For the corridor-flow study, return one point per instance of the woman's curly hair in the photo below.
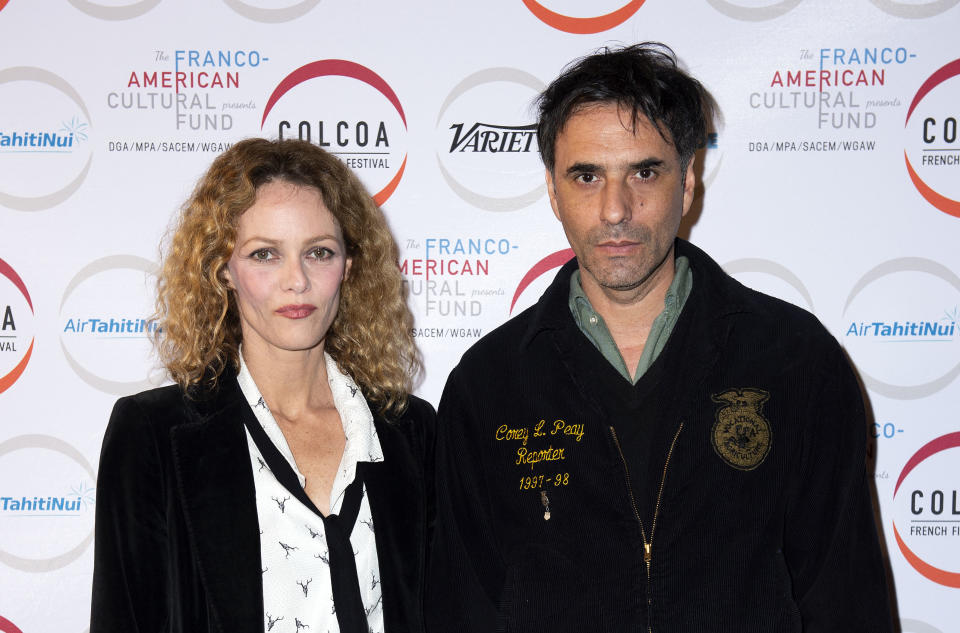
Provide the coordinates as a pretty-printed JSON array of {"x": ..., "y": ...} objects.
[{"x": 199, "y": 336}]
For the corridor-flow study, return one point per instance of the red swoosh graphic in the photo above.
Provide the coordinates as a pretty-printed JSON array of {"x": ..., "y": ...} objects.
[
  {"x": 940, "y": 201},
  {"x": 333, "y": 67},
  {"x": 942, "y": 443},
  {"x": 950, "y": 70},
  {"x": 554, "y": 260},
  {"x": 10, "y": 378},
  {"x": 583, "y": 26},
  {"x": 937, "y": 575},
  {"x": 7, "y": 271}
]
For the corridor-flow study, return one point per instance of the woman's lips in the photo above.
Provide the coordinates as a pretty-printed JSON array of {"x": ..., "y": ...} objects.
[{"x": 296, "y": 311}]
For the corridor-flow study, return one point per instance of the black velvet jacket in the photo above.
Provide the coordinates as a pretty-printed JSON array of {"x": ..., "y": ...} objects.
[
  {"x": 177, "y": 544},
  {"x": 724, "y": 492}
]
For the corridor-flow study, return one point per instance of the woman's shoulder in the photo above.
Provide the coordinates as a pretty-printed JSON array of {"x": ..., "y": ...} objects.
[{"x": 163, "y": 406}]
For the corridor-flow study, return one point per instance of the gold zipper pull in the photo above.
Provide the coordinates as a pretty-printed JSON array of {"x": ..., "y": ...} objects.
[
  {"x": 647, "y": 554},
  {"x": 546, "y": 505}
]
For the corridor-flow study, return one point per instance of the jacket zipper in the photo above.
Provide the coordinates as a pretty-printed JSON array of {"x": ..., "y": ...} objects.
[{"x": 647, "y": 544}]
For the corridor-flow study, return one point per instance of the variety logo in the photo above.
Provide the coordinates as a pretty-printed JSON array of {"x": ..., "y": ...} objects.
[
  {"x": 928, "y": 511},
  {"x": 114, "y": 13},
  {"x": 269, "y": 14},
  {"x": 105, "y": 335},
  {"x": 44, "y": 156},
  {"x": 839, "y": 95},
  {"x": 583, "y": 25},
  {"x": 16, "y": 326},
  {"x": 770, "y": 11},
  {"x": 935, "y": 145},
  {"x": 188, "y": 91},
  {"x": 46, "y": 503},
  {"x": 487, "y": 155},
  {"x": 350, "y": 111},
  {"x": 906, "y": 351},
  {"x": 914, "y": 10}
]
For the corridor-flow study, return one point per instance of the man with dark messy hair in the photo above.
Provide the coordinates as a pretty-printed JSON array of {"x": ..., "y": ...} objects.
[
  {"x": 652, "y": 446},
  {"x": 642, "y": 78}
]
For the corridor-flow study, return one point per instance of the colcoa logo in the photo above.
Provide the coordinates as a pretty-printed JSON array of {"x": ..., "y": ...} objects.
[
  {"x": 15, "y": 344},
  {"x": 936, "y": 127},
  {"x": 359, "y": 130},
  {"x": 934, "y": 511}
]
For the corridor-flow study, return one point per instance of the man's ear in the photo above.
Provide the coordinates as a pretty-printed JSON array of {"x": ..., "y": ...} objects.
[
  {"x": 689, "y": 185},
  {"x": 552, "y": 194}
]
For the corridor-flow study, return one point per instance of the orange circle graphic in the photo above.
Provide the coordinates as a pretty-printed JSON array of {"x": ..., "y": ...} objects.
[{"x": 583, "y": 26}]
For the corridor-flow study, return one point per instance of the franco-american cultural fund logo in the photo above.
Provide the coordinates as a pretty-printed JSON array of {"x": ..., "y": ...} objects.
[
  {"x": 487, "y": 149},
  {"x": 16, "y": 326},
  {"x": 45, "y": 154},
  {"x": 932, "y": 154},
  {"x": 927, "y": 510},
  {"x": 595, "y": 22},
  {"x": 348, "y": 110},
  {"x": 828, "y": 99},
  {"x": 189, "y": 91}
]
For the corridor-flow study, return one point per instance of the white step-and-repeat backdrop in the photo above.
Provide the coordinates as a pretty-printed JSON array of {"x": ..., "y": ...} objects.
[{"x": 833, "y": 182}]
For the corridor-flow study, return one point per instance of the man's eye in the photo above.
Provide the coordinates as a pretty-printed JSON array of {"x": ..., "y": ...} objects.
[
  {"x": 587, "y": 178},
  {"x": 646, "y": 173}
]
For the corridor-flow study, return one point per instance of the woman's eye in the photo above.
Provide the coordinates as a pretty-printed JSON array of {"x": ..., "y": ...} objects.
[
  {"x": 321, "y": 252},
  {"x": 261, "y": 255}
]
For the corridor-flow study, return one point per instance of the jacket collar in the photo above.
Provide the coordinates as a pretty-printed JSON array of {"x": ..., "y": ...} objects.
[
  {"x": 215, "y": 484},
  {"x": 714, "y": 287}
]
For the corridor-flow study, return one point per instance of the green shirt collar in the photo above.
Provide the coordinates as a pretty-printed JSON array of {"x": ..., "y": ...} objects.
[{"x": 593, "y": 327}]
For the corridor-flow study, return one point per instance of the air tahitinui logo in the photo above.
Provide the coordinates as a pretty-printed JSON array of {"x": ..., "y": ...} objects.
[
  {"x": 348, "y": 110},
  {"x": 44, "y": 153},
  {"x": 16, "y": 326},
  {"x": 105, "y": 328},
  {"x": 905, "y": 349},
  {"x": 487, "y": 149},
  {"x": 933, "y": 152},
  {"x": 927, "y": 510},
  {"x": 584, "y": 25},
  {"x": 47, "y": 498}
]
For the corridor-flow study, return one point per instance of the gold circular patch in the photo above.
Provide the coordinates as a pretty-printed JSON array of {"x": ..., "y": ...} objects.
[{"x": 741, "y": 435}]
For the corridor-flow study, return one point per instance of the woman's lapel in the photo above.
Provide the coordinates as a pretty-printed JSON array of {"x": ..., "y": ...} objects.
[{"x": 215, "y": 479}]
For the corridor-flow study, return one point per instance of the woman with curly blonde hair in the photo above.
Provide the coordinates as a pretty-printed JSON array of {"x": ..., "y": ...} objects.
[{"x": 283, "y": 479}]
